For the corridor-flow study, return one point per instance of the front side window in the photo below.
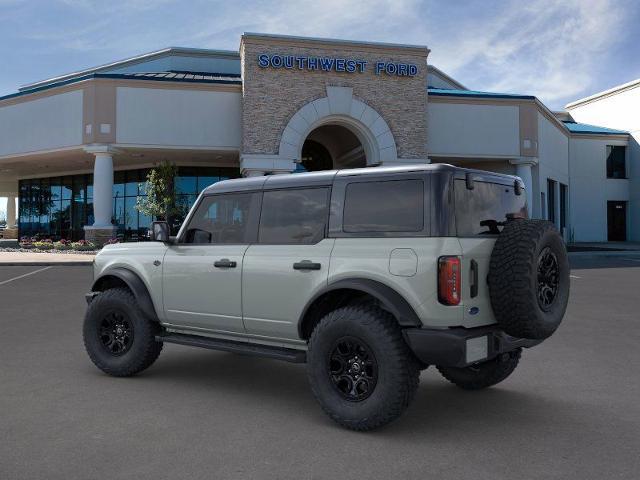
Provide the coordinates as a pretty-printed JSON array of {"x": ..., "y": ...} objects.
[
  {"x": 616, "y": 167},
  {"x": 221, "y": 219},
  {"x": 387, "y": 206},
  {"x": 296, "y": 216}
]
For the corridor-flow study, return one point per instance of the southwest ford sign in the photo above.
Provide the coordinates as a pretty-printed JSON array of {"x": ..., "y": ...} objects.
[{"x": 334, "y": 64}]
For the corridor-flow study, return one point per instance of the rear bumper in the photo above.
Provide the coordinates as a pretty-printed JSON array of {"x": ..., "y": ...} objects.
[{"x": 461, "y": 347}]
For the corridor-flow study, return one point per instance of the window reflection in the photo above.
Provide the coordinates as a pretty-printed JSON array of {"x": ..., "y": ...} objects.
[{"x": 59, "y": 207}]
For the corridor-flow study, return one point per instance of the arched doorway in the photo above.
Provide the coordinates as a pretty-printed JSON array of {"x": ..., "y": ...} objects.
[{"x": 332, "y": 146}]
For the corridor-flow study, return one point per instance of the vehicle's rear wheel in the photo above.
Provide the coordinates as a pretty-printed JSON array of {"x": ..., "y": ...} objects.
[
  {"x": 483, "y": 375},
  {"x": 529, "y": 279},
  {"x": 361, "y": 371},
  {"x": 118, "y": 337}
]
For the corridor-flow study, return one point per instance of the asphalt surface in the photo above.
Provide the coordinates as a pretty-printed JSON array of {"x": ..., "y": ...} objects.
[{"x": 570, "y": 411}]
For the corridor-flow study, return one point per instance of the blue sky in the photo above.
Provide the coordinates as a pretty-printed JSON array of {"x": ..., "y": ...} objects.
[{"x": 557, "y": 50}]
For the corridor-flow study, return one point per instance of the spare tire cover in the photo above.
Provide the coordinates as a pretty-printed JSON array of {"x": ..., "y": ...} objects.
[{"x": 529, "y": 279}]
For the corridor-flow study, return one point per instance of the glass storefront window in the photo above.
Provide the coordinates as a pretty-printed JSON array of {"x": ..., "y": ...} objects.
[
  {"x": 118, "y": 184},
  {"x": 59, "y": 207},
  {"x": 186, "y": 185},
  {"x": 67, "y": 192}
]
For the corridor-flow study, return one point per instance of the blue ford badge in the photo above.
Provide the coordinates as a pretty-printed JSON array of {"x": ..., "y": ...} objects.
[{"x": 474, "y": 310}]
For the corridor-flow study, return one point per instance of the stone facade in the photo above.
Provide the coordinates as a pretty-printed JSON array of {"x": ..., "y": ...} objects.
[{"x": 272, "y": 96}]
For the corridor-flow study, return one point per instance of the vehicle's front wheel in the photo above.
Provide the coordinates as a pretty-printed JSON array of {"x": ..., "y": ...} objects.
[
  {"x": 483, "y": 375},
  {"x": 361, "y": 371},
  {"x": 118, "y": 337}
]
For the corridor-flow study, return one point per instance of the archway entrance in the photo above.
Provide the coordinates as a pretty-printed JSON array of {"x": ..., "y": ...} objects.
[{"x": 330, "y": 147}]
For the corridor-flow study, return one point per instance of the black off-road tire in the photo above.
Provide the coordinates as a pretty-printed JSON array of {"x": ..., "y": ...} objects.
[
  {"x": 520, "y": 254},
  {"x": 137, "y": 354},
  {"x": 484, "y": 374},
  {"x": 398, "y": 371}
]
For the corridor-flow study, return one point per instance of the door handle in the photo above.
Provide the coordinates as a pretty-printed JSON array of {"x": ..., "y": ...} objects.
[
  {"x": 474, "y": 279},
  {"x": 306, "y": 265},
  {"x": 224, "y": 263}
]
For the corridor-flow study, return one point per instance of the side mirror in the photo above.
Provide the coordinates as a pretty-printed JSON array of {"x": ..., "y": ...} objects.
[{"x": 159, "y": 232}]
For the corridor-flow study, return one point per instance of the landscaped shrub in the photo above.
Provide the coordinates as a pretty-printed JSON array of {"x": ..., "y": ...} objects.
[
  {"x": 43, "y": 244},
  {"x": 26, "y": 242},
  {"x": 83, "y": 245},
  {"x": 62, "y": 245}
]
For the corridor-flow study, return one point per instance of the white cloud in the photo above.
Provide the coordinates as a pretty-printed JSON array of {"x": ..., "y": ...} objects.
[{"x": 548, "y": 48}]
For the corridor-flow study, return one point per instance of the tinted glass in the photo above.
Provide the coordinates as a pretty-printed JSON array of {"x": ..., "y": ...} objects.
[
  {"x": 484, "y": 210},
  {"x": 616, "y": 162},
  {"x": 551, "y": 200},
  {"x": 294, "y": 216},
  {"x": 223, "y": 219},
  {"x": 391, "y": 206}
]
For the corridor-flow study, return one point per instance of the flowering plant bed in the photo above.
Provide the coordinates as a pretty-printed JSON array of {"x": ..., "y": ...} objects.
[
  {"x": 41, "y": 245},
  {"x": 51, "y": 250}
]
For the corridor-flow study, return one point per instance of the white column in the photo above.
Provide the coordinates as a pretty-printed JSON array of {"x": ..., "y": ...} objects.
[
  {"x": 11, "y": 212},
  {"x": 103, "y": 189},
  {"x": 523, "y": 170}
]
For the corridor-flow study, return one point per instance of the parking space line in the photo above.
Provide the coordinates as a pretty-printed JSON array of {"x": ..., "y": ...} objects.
[
  {"x": 25, "y": 275},
  {"x": 574, "y": 276}
]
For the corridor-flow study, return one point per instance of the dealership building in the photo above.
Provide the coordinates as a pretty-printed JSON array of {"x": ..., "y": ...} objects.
[{"x": 75, "y": 149}]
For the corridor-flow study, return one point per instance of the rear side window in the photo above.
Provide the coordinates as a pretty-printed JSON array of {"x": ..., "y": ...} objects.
[
  {"x": 296, "y": 216},
  {"x": 484, "y": 210},
  {"x": 388, "y": 206}
]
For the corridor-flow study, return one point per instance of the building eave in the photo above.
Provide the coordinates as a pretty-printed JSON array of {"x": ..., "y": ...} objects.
[
  {"x": 606, "y": 93},
  {"x": 116, "y": 76},
  {"x": 132, "y": 61},
  {"x": 448, "y": 78}
]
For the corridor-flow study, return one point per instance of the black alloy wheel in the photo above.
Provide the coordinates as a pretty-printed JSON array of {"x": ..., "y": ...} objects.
[
  {"x": 548, "y": 278},
  {"x": 116, "y": 333},
  {"x": 353, "y": 369},
  {"x": 119, "y": 338}
]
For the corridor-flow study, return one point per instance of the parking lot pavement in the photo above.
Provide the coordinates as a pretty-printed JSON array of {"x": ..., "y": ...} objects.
[{"x": 570, "y": 411}]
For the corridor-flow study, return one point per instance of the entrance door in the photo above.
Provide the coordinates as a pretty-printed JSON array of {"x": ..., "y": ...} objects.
[
  {"x": 617, "y": 221},
  {"x": 202, "y": 273}
]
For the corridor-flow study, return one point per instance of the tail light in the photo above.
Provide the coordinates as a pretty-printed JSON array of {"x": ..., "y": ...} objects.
[{"x": 449, "y": 280}]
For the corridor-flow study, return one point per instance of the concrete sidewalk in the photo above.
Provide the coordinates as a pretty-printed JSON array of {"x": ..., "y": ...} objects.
[
  {"x": 37, "y": 259},
  {"x": 604, "y": 246}
]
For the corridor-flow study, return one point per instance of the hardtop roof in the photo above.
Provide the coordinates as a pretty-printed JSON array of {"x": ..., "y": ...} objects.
[{"x": 326, "y": 177}]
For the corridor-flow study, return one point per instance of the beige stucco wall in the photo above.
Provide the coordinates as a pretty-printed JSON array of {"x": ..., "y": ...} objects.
[
  {"x": 178, "y": 117},
  {"x": 460, "y": 129},
  {"x": 272, "y": 96},
  {"x": 49, "y": 122},
  {"x": 620, "y": 110}
]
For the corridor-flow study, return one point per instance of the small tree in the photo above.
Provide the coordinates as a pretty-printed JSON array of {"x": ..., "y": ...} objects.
[{"x": 160, "y": 201}]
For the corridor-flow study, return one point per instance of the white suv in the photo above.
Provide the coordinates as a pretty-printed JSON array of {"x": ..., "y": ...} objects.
[{"x": 367, "y": 275}]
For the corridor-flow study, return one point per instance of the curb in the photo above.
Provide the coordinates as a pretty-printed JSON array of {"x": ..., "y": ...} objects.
[{"x": 607, "y": 253}]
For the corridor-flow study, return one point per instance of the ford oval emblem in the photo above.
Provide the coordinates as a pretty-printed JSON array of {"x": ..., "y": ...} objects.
[{"x": 474, "y": 311}]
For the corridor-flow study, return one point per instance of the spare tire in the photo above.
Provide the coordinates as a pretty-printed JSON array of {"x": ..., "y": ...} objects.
[{"x": 529, "y": 279}]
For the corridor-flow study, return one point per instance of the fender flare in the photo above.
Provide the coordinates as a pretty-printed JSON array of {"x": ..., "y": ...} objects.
[
  {"x": 135, "y": 284},
  {"x": 390, "y": 300}
]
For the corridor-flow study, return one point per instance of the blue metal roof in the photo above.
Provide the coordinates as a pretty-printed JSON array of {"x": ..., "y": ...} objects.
[
  {"x": 585, "y": 128},
  {"x": 188, "y": 77},
  {"x": 444, "y": 92}
]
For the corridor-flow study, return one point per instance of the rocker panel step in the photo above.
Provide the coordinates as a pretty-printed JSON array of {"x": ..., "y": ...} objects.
[{"x": 243, "y": 348}]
